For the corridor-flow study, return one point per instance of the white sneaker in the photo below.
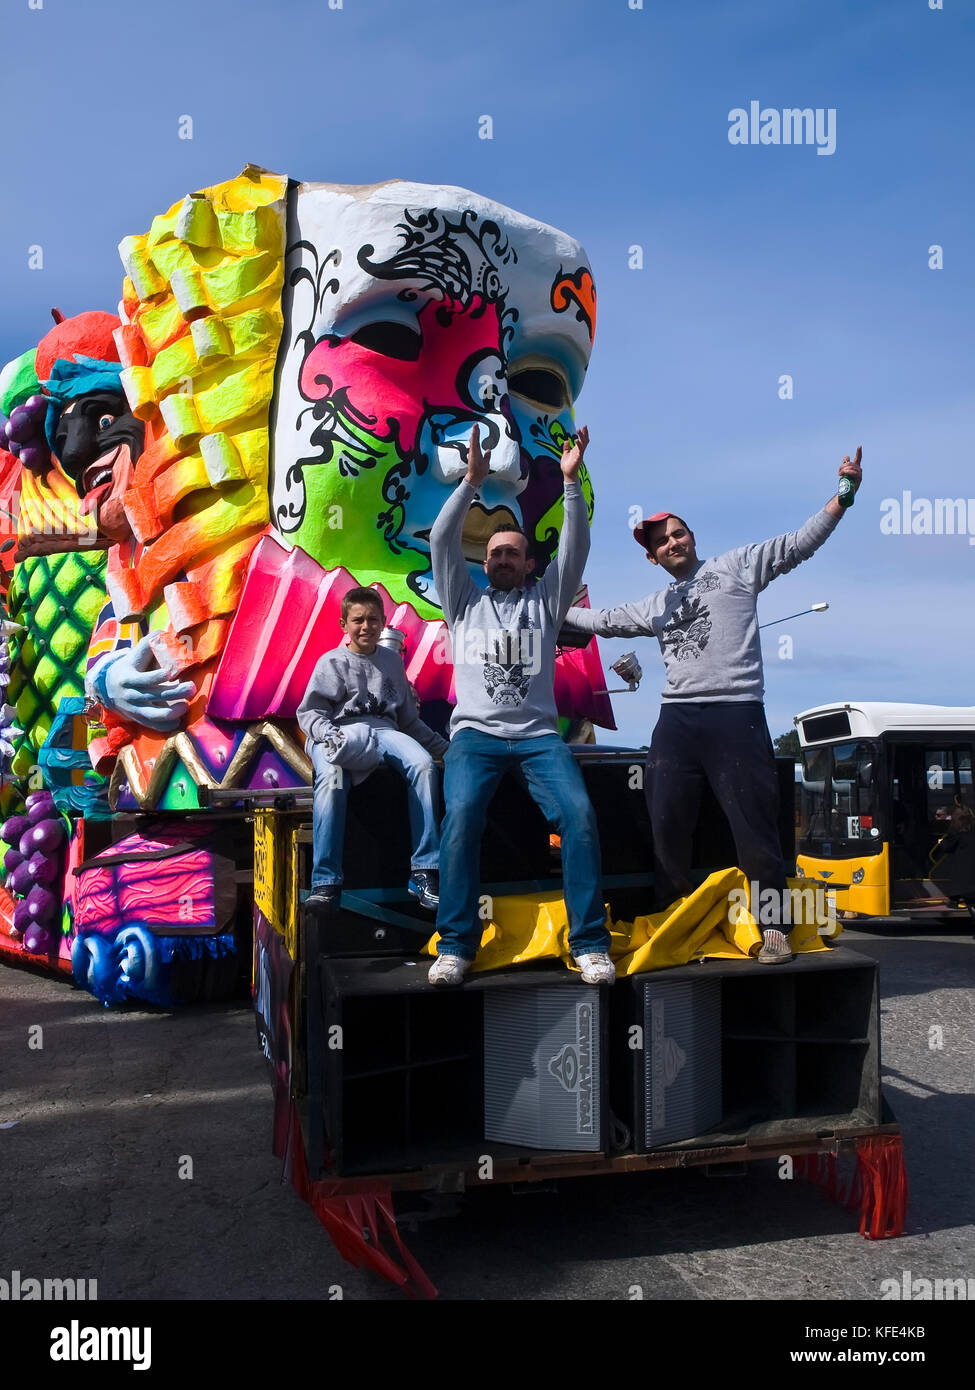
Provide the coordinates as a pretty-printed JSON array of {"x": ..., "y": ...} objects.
[
  {"x": 597, "y": 969},
  {"x": 775, "y": 949},
  {"x": 448, "y": 970}
]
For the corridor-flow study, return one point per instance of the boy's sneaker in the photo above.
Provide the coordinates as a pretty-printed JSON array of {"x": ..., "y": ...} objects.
[
  {"x": 424, "y": 885},
  {"x": 324, "y": 898},
  {"x": 597, "y": 968},
  {"x": 775, "y": 949},
  {"x": 448, "y": 970}
]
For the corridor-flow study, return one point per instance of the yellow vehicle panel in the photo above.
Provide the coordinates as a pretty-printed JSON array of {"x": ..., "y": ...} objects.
[{"x": 870, "y": 896}]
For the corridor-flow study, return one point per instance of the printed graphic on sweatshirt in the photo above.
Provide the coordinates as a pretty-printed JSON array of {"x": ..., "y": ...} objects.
[
  {"x": 373, "y": 704},
  {"x": 687, "y": 632},
  {"x": 706, "y": 583},
  {"x": 513, "y": 657}
]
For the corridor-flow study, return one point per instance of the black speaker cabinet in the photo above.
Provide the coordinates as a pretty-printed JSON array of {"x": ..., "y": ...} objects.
[
  {"x": 796, "y": 1048},
  {"x": 545, "y": 1067},
  {"x": 674, "y": 1067},
  {"x": 403, "y": 1062}
]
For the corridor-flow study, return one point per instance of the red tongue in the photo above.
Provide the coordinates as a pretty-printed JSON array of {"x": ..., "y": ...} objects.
[
  {"x": 107, "y": 464},
  {"x": 93, "y": 498}
]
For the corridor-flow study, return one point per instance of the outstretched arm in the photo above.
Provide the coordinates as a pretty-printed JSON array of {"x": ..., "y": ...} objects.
[
  {"x": 762, "y": 563},
  {"x": 627, "y": 620}
]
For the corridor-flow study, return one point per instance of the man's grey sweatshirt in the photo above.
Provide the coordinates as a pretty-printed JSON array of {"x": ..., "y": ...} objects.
[
  {"x": 503, "y": 643},
  {"x": 707, "y": 622},
  {"x": 349, "y": 695}
]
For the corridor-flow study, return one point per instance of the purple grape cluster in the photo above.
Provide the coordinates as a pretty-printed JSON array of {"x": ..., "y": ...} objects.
[
  {"x": 10, "y": 730},
  {"x": 23, "y": 434},
  {"x": 33, "y": 864}
]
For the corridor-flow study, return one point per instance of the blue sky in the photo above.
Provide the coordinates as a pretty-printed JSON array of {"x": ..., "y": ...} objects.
[{"x": 758, "y": 261}]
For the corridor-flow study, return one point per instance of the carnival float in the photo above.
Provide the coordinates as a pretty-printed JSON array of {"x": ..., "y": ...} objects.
[{"x": 275, "y": 414}]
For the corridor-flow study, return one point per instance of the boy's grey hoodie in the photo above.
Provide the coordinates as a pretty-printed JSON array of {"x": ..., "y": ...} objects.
[{"x": 349, "y": 696}]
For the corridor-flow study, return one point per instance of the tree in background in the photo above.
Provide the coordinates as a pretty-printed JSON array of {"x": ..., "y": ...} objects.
[{"x": 787, "y": 745}]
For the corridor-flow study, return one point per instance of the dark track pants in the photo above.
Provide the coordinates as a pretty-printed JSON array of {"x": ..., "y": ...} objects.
[{"x": 727, "y": 745}]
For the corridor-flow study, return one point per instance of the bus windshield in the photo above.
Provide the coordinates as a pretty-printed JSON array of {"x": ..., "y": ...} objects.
[{"x": 839, "y": 808}]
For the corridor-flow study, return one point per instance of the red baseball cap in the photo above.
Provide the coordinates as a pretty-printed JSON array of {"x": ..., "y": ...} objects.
[{"x": 640, "y": 530}]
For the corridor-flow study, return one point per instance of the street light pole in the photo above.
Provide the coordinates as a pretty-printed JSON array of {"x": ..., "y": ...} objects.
[{"x": 816, "y": 608}]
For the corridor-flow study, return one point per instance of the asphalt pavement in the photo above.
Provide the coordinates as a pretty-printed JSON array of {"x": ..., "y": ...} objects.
[{"x": 135, "y": 1147}]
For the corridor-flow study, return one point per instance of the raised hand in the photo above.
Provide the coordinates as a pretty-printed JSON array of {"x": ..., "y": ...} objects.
[
  {"x": 849, "y": 472},
  {"x": 851, "y": 468},
  {"x": 572, "y": 453},
  {"x": 478, "y": 464}
]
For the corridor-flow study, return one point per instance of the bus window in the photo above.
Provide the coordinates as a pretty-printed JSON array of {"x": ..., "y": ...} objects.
[
  {"x": 812, "y": 797},
  {"x": 840, "y": 800},
  {"x": 948, "y": 782},
  {"x": 853, "y": 793}
]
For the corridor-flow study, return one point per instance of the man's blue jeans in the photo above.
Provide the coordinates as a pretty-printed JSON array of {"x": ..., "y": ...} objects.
[
  {"x": 332, "y": 795},
  {"x": 473, "y": 766}
]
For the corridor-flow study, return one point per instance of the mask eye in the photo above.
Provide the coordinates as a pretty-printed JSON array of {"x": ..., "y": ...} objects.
[
  {"x": 105, "y": 420},
  {"x": 485, "y": 385},
  {"x": 389, "y": 339},
  {"x": 541, "y": 387}
]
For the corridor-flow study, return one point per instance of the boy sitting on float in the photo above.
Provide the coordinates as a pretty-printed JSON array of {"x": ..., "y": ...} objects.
[{"x": 359, "y": 712}]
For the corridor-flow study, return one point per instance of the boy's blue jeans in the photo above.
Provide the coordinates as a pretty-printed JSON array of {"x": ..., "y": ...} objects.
[
  {"x": 473, "y": 766},
  {"x": 332, "y": 795}
]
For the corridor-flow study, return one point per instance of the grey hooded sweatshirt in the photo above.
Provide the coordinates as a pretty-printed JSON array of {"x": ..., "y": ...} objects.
[
  {"x": 503, "y": 641},
  {"x": 707, "y": 622},
  {"x": 351, "y": 695}
]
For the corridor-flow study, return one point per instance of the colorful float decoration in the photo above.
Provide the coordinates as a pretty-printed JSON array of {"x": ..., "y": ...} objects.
[{"x": 276, "y": 413}]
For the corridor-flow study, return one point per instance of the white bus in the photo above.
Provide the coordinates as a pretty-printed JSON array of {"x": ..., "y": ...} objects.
[{"x": 882, "y": 786}]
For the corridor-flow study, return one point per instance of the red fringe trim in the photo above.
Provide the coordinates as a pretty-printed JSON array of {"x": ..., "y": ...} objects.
[
  {"x": 355, "y": 1221},
  {"x": 878, "y": 1184}
]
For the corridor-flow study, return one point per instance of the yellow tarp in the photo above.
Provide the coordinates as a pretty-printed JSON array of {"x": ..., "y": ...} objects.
[{"x": 715, "y": 920}]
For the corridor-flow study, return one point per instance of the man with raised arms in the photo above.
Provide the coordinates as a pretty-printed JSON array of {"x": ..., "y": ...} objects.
[
  {"x": 712, "y": 718},
  {"x": 503, "y": 640}
]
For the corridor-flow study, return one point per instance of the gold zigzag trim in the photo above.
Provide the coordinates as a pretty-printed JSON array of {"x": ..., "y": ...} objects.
[
  {"x": 147, "y": 791},
  {"x": 295, "y": 757}
]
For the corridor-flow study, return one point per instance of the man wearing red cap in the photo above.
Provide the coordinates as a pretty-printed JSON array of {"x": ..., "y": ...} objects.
[{"x": 712, "y": 718}]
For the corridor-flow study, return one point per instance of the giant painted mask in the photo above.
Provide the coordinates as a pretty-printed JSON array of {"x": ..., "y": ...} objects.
[
  {"x": 279, "y": 412},
  {"x": 413, "y": 314},
  {"x": 308, "y": 362}
]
